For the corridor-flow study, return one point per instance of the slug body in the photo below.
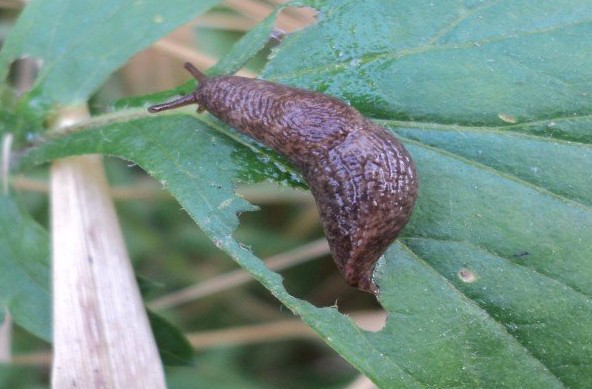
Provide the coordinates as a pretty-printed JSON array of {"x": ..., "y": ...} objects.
[{"x": 362, "y": 178}]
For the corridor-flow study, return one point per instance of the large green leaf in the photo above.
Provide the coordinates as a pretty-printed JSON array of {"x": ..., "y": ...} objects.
[
  {"x": 448, "y": 62},
  {"x": 80, "y": 43},
  {"x": 490, "y": 283}
]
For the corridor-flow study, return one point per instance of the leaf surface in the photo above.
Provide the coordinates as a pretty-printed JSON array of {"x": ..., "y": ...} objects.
[{"x": 490, "y": 283}]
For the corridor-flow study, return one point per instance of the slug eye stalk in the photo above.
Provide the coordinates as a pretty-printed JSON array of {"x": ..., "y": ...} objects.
[
  {"x": 180, "y": 102},
  {"x": 185, "y": 100}
]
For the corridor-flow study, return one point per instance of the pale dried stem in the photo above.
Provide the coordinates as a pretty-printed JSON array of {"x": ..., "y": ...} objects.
[
  {"x": 257, "y": 194},
  {"x": 42, "y": 358},
  {"x": 258, "y": 10},
  {"x": 184, "y": 53},
  {"x": 15, "y": 4},
  {"x": 101, "y": 333},
  {"x": 30, "y": 185},
  {"x": 239, "y": 277},
  {"x": 305, "y": 16},
  {"x": 5, "y": 161},
  {"x": 145, "y": 191},
  {"x": 253, "y": 9},
  {"x": 362, "y": 382},
  {"x": 6, "y": 339},
  {"x": 275, "y": 331},
  {"x": 6, "y": 325},
  {"x": 297, "y": 18},
  {"x": 255, "y": 334},
  {"x": 261, "y": 333},
  {"x": 268, "y": 194},
  {"x": 224, "y": 22},
  {"x": 189, "y": 54}
]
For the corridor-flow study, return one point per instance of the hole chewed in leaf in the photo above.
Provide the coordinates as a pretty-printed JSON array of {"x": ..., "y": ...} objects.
[
  {"x": 292, "y": 19},
  {"x": 467, "y": 275},
  {"x": 508, "y": 118},
  {"x": 22, "y": 74},
  {"x": 372, "y": 321}
]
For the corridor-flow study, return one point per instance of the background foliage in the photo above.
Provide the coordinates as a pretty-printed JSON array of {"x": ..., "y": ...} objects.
[{"x": 489, "y": 284}]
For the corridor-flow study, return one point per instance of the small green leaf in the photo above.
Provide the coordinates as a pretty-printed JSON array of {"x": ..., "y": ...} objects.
[
  {"x": 247, "y": 47},
  {"x": 24, "y": 269},
  {"x": 147, "y": 286},
  {"x": 173, "y": 347}
]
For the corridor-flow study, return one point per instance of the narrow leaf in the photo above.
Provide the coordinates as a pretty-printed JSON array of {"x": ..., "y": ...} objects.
[{"x": 24, "y": 269}]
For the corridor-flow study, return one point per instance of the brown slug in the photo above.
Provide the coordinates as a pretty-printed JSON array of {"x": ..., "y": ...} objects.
[{"x": 362, "y": 178}]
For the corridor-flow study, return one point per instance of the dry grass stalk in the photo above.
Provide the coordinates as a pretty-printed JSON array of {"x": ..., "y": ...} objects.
[
  {"x": 102, "y": 338},
  {"x": 254, "y": 334},
  {"x": 239, "y": 277},
  {"x": 5, "y": 339},
  {"x": 6, "y": 324},
  {"x": 276, "y": 331}
]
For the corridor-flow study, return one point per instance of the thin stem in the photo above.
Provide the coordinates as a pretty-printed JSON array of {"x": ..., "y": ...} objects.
[
  {"x": 253, "y": 334},
  {"x": 235, "y": 278},
  {"x": 5, "y": 162}
]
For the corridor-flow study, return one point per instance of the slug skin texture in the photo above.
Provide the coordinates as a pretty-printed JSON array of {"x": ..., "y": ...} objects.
[{"x": 362, "y": 178}]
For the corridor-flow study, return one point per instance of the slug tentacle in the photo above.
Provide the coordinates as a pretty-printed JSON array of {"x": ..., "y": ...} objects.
[
  {"x": 362, "y": 178},
  {"x": 185, "y": 100},
  {"x": 180, "y": 102},
  {"x": 199, "y": 76}
]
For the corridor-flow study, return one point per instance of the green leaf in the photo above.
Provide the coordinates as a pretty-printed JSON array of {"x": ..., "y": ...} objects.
[
  {"x": 24, "y": 269},
  {"x": 173, "y": 347},
  {"x": 489, "y": 286},
  {"x": 250, "y": 44},
  {"x": 439, "y": 337},
  {"x": 466, "y": 62},
  {"x": 147, "y": 286},
  {"x": 80, "y": 44},
  {"x": 12, "y": 376}
]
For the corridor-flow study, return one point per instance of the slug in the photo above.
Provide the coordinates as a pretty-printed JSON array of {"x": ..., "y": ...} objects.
[{"x": 362, "y": 178}]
